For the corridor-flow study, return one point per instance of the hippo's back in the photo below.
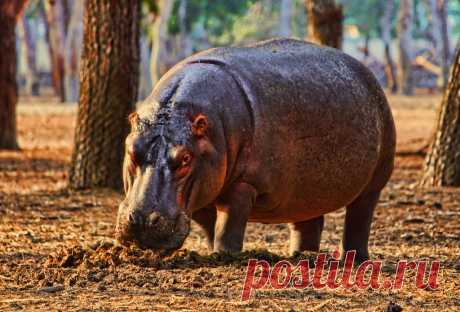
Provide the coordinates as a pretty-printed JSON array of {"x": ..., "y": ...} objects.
[{"x": 319, "y": 87}]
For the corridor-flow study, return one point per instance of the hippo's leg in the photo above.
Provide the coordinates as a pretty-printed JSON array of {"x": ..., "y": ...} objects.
[
  {"x": 232, "y": 215},
  {"x": 206, "y": 219},
  {"x": 305, "y": 235},
  {"x": 357, "y": 228}
]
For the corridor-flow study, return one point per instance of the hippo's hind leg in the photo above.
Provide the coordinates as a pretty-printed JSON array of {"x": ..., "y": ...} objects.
[
  {"x": 358, "y": 219},
  {"x": 206, "y": 219},
  {"x": 305, "y": 235}
]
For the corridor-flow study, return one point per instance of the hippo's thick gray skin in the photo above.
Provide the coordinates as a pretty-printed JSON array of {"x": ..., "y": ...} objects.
[{"x": 283, "y": 131}]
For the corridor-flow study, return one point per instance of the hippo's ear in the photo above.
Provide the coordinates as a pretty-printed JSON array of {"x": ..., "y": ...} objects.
[
  {"x": 133, "y": 119},
  {"x": 199, "y": 125}
]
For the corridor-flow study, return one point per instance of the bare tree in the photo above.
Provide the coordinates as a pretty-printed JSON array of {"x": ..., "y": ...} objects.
[
  {"x": 56, "y": 27},
  {"x": 44, "y": 19},
  {"x": 160, "y": 35},
  {"x": 185, "y": 42},
  {"x": 28, "y": 38},
  {"x": 445, "y": 50},
  {"x": 405, "y": 44},
  {"x": 442, "y": 163},
  {"x": 325, "y": 22},
  {"x": 286, "y": 18},
  {"x": 108, "y": 91},
  {"x": 385, "y": 26},
  {"x": 72, "y": 47},
  {"x": 439, "y": 35},
  {"x": 435, "y": 27},
  {"x": 9, "y": 13},
  {"x": 145, "y": 78}
]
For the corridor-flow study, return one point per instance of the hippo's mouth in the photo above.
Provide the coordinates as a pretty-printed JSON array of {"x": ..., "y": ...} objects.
[{"x": 165, "y": 235}]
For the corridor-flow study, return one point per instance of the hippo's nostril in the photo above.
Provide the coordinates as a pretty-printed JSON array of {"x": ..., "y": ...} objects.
[
  {"x": 153, "y": 218},
  {"x": 131, "y": 218},
  {"x": 135, "y": 218}
]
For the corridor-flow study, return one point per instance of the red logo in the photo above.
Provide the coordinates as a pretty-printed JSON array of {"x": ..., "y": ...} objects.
[{"x": 285, "y": 275}]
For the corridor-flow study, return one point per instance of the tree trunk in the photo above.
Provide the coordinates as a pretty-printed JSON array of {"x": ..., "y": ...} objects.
[
  {"x": 405, "y": 42},
  {"x": 325, "y": 19},
  {"x": 9, "y": 13},
  {"x": 286, "y": 18},
  {"x": 442, "y": 163},
  {"x": 108, "y": 91},
  {"x": 73, "y": 41},
  {"x": 67, "y": 7},
  {"x": 445, "y": 50},
  {"x": 385, "y": 26},
  {"x": 28, "y": 37},
  {"x": 160, "y": 36},
  {"x": 185, "y": 42},
  {"x": 435, "y": 27},
  {"x": 436, "y": 34},
  {"x": 56, "y": 27},
  {"x": 145, "y": 79},
  {"x": 48, "y": 44}
]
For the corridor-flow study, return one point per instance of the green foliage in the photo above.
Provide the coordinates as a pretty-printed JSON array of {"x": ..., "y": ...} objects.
[
  {"x": 149, "y": 11},
  {"x": 365, "y": 15},
  {"x": 453, "y": 10},
  {"x": 227, "y": 22},
  {"x": 262, "y": 21},
  {"x": 299, "y": 23},
  {"x": 150, "y": 7},
  {"x": 259, "y": 23},
  {"x": 215, "y": 16},
  {"x": 33, "y": 8}
]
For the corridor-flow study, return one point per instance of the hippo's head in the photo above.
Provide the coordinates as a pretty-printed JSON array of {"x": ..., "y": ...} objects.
[{"x": 171, "y": 167}]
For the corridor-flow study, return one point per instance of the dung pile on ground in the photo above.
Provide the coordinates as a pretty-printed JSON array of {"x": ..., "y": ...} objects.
[
  {"x": 105, "y": 254},
  {"x": 102, "y": 254}
]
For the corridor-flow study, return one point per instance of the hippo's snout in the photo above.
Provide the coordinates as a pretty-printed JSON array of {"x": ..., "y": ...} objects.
[{"x": 152, "y": 230}]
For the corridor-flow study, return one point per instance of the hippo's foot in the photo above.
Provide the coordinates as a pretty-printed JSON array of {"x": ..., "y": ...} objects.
[
  {"x": 305, "y": 235},
  {"x": 206, "y": 219},
  {"x": 357, "y": 227},
  {"x": 232, "y": 215}
]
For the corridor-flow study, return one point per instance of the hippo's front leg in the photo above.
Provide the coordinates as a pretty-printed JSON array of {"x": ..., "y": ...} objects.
[
  {"x": 206, "y": 219},
  {"x": 233, "y": 210}
]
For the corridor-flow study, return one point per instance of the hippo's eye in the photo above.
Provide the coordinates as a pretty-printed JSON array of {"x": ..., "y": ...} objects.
[
  {"x": 186, "y": 159},
  {"x": 181, "y": 165}
]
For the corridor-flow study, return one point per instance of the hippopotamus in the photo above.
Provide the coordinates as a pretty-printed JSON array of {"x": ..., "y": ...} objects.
[{"x": 282, "y": 131}]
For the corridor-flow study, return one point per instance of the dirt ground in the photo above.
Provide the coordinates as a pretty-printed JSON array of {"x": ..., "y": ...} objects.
[{"x": 57, "y": 251}]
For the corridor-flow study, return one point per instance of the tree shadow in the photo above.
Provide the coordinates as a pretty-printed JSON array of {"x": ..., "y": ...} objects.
[{"x": 35, "y": 164}]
